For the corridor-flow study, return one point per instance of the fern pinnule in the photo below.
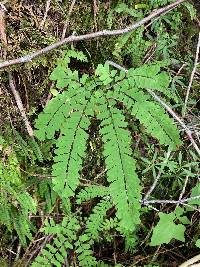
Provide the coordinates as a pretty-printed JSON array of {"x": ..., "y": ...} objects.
[{"x": 91, "y": 192}]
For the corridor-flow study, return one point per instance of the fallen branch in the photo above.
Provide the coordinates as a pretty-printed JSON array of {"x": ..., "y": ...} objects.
[
  {"x": 73, "y": 38},
  {"x": 165, "y": 201},
  {"x": 20, "y": 105},
  {"x": 3, "y": 39},
  {"x": 191, "y": 262},
  {"x": 67, "y": 20},
  {"x": 192, "y": 75}
]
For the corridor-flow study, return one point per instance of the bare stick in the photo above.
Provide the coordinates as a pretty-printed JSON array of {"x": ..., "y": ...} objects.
[
  {"x": 67, "y": 20},
  {"x": 20, "y": 105},
  {"x": 73, "y": 38},
  {"x": 3, "y": 38},
  {"x": 45, "y": 14},
  {"x": 165, "y": 201},
  {"x": 184, "y": 187},
  {"x": 158, "y": 176},
  {"x": 192, "y": 76},
  {"x": 191, "y": 262},
  {"x": 157, "y": 98},
  {"x": 179, "y": 120}
]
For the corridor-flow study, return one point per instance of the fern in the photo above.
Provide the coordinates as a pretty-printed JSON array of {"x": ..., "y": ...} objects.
[
  {"x": 96, "y": 219},
  {"x": 15, "y": 205},
  {"x": 63, "y": 235},
  {"x": 66, "y": 120},
  {"x": 124, "y": 183},
  {"x": 92, "y": 192}
]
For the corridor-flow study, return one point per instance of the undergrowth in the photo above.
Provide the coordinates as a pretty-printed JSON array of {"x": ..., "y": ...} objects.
[{"x": 75, "y": 194}]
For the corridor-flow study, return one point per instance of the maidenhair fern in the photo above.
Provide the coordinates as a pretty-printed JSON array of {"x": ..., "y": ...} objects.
[{"x": 107, "y": 97}]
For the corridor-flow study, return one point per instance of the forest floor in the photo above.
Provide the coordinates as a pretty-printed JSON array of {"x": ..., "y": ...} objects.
[{"x": 26, "y": 27}]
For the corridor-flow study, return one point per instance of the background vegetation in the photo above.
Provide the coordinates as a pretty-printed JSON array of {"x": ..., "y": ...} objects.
[{"x": 87, "y": 229}]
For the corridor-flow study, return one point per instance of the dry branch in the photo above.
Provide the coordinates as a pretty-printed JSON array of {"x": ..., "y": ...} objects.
[
  {"x": 191, "y": 262},
  {"x": 67, "y": 20},
  {"x": 20, "y": 105},
  {"x": 166, "y": 201},
  {"x": 192, "y": 75},
  {"x": 3, "y": 39},
  {"x": 73, "y": 38}
]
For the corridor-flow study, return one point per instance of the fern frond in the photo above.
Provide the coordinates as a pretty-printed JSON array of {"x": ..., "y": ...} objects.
[
  {"x": 69, "y": 153},
  {"x": 84, "y": 251},
  {"x": 15, "y": 205},
  {"x": 63, "y": 75},
  {"x": 27, "y": 203},
  {"x": 92, "y": 192},
  {"x": 157, "y": 123},
  {"x": 54, "y": 115},
  {"x": 22, "y": 226},
  {"x": 110, "y": 224},
  {"x": 45, "y": 191},
  {"x": 124, "y": 183},
  {"x": 151, "y": 115},
  {"x": 64, "y": 235},
  {"x": 96, "y": 219}
]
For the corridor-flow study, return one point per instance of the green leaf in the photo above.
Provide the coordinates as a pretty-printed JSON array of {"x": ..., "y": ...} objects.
[
  {"x": 166, "y": 230},
  {"x": 195, "y": 192},
  {"x": 104, "y": 73},
  {"x": 197, "y": 244}
]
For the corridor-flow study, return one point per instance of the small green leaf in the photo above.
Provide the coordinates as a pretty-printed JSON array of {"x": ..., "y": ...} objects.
[
  {"x": 197, "y": 244},
  {"x": 54, "y": 92},
  {"x": 195, "y": 192},
  {"x": 166, "y": 230}
]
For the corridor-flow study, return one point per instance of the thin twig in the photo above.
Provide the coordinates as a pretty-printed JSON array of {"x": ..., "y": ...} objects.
[
  {"x": 67, "y": 20},
  {"x": 184, "y": 187},
  {"x": 179, "y": 120},
  {"x": 191, "y": 262},
  {"x": 20, "y": 105},
  {"x": 48, "y": 3},
  {"x": 95, "y": 8},
  {"x": 76, "y": 38},
  {"x": 170, "y": 111},
  {"x": 158, "y": 176},
  {"x": 192, "y": 75},
  {"x": 165, "y": 201},
  {"x": 16, "y": 95}
]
